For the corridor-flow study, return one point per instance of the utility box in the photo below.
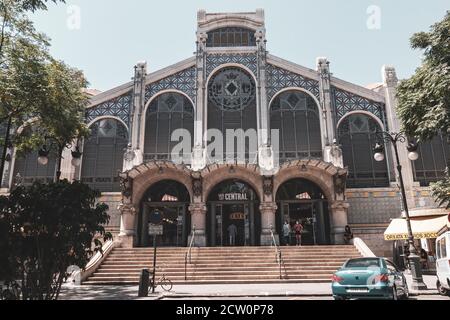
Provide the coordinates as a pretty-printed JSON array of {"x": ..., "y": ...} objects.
[{"x": 144, "y": 282}]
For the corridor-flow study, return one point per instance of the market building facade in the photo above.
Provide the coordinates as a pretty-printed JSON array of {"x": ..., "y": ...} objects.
[{"x": 318, "y": 168}]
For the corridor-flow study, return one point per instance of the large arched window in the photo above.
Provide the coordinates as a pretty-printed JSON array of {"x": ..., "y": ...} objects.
[
  {"x": 27, "y": 169},
  {"x": 295, "y": 114},
  {"x": 165, "y": 114},
  {"x": 231, "y": 106},
  {"x": 357, "y": 136},
  {"x": 432, "y": 162},
  {"x": 103, "y": 155},
  {"x": 231, "y": 37}
]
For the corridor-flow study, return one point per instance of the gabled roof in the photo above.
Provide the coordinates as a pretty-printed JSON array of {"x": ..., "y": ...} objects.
[
  {"x": 274, "y": 60},
  {"x": 338, "y": 83},
  {"x": 150, "y": 78}
]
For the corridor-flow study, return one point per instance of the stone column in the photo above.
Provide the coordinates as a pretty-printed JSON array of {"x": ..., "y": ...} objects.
[
  {"x": 127, "y": 225},
  {"x": 198, "y": 221},
  {"x": 268, "y": 210},
  {"x": 199, "y": 148},
  {"x": 327, "y": 121},
  {"x": 134, "y": 154},
  {"x": 390, "y": 82},
  {"x": 339, "y": 221}
]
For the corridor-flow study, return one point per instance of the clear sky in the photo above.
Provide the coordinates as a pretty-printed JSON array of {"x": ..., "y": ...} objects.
[{"x": 108, "y": 37}]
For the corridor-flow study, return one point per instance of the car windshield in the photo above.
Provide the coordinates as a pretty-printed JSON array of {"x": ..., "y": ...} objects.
[{"x": 363, "y": 263}]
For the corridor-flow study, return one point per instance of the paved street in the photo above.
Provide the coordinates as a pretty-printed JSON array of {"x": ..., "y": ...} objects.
[{"x": 288, "y": 291}]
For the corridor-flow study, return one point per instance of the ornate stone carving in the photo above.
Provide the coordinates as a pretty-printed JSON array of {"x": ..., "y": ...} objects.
[
  {"x": 268, "y": 185},
  {"x": 197, "y": 185},
  {"x": 340, "y": 179},
  {"x": 126, "y": 184},
  {"x": 126, "y": 208},
  {"x": 390, "y": 76}
]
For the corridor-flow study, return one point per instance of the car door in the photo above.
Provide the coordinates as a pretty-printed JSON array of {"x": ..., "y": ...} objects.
[{"x": 397, "y": 276}]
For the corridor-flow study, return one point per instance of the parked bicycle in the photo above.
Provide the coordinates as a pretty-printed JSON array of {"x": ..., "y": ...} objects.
[{"x": 162, "y": 281}]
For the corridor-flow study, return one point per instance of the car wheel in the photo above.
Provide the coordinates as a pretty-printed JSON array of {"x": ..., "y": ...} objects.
[
  {"x": 442, "y": 291},
  {"x": 339, "y": 298}
]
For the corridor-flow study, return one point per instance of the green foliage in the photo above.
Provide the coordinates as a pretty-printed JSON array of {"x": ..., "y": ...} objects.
[
  {"x": 441, "y": 192},
  {"x": 35, "y": 89},
  {"x": 424, "y": 99},
  {"x": 46, "y": 228}
]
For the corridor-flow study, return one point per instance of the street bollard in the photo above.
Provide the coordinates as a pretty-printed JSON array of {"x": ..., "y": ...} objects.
[{"x": 144, "y": 282}]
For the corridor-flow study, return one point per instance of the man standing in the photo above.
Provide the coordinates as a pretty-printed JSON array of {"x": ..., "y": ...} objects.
[
  {"x": 286, "y": 232},
  {"x": 298, "y": 228},
  {"x": 232, "y": 232}
]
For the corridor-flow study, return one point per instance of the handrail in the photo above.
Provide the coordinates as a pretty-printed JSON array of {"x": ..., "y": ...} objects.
[
  {"x": 278, "y": 255},
  {"x": 189, "y": 253}
]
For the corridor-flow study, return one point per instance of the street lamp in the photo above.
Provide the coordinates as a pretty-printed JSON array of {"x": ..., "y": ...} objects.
[
  {"x": 76, "y": 157},
  {"x": 43, "y": 155},
  {"x": 414, "y": 259}
]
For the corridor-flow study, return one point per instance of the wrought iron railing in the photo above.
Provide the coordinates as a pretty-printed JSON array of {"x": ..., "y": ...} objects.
[
  {"x": 188, "y": 255},
  {"x": 278, "y": 254}
]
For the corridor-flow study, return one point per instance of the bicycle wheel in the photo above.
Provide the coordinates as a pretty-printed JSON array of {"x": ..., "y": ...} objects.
[{"x": 166, "y": 284}]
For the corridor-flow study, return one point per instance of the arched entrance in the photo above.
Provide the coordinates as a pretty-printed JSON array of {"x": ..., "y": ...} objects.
[
  {"x": 233, "y": 203},
  {"x": 304, "y": 201},
  {"x": 172, "y": 199}
]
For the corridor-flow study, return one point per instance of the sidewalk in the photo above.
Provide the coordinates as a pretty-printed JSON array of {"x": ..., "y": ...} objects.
[{"x": 70, "y": 292}]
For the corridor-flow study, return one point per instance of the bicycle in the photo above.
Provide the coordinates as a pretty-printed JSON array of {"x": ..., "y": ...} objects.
[{"x": 163, "y": 281}]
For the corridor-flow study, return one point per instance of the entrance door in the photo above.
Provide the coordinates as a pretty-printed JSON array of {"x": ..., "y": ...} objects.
[
  {"x": 233, "y": 224},
  {"x": 311, "y": 215},
  {"x": 174, "y": 225}
]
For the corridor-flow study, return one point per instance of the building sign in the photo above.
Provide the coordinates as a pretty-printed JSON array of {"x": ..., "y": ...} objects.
[
  {"x": 417, "y": 235},
  {"x": 155, "y": 230},
  {"x": 237, "y": 216},
  {"x": 233, "y": 197}
]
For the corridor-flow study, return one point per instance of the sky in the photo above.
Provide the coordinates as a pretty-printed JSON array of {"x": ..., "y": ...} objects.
[{"x": 106, "y": 38}]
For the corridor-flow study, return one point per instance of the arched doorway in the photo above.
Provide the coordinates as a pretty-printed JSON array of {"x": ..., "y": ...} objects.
[
  {"x": 304, "y": 201},
  {"x": 172, "y": 199},
  {"x": 233, "y": 202}
]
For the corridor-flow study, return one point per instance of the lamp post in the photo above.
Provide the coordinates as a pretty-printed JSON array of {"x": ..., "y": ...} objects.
[
  {"x": 394, "y": 138},
  {"x": 43, "y": 158}
]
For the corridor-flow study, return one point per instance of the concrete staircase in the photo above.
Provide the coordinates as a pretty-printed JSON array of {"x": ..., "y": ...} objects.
[{"x": 225, "y": 265}]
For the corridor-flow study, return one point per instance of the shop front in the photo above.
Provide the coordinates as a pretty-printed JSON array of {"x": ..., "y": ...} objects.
[{"x": 426, "y": 225}]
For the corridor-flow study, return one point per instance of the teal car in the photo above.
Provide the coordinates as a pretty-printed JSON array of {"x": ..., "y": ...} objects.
[{"x": 369, "y": 278}]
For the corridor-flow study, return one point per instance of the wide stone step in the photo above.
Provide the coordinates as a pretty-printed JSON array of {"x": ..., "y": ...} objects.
[{"x": 201, "y": 282}]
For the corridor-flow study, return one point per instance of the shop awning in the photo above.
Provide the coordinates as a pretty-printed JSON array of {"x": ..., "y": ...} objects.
[{"x": 422, "y": 228}]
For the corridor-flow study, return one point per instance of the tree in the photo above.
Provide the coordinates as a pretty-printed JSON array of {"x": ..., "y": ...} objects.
[
  {"x": 424, "y": 99},
  {"x": 59, "y": 116},
  {"x": 34, "y": 86},
  {"x": 44, "y": 229}
]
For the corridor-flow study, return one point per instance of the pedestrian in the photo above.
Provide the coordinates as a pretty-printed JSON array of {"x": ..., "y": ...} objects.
[
  {"x": 286, "y": 232},
  {"x": 348, "y": 234},
  {"x": 232, "y": 232},
  {"x": 298, "y": 228}
]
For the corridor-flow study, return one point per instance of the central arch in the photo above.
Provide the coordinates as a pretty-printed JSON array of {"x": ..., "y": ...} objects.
[{"x": 233, "y": 217}]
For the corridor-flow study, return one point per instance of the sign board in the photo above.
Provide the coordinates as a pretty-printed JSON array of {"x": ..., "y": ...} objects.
[
  {"x": 155, "y": 217},
  {"x": 237, "y": 216},
  {"x": 155, "y": 230},
  {"x": 232, "y": 197}
]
